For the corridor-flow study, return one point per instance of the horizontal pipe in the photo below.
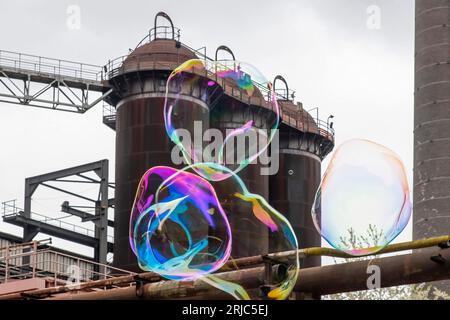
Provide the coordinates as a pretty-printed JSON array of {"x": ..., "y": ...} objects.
[
  {"x": 248, "y": 278},
  {"x": 238, "y": 263},
  {"x": 418, "y": 267}
]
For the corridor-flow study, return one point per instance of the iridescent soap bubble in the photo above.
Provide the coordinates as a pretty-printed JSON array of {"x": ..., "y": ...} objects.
[
  {"x": 179, "y": 229},
  {"x": 211, "y": 114},
  {"x": 363, "y": 201},
  {"x": 177, "y": 225},
  {"x": 249, "y": 209}
]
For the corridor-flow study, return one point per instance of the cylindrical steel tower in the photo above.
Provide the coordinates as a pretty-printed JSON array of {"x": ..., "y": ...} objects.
[
  {"x": 141, "y": 138},
  {"x": 292, "y": 189},
  {"x": 432, "y": 119},
  {"x": 250, "y": 237}
]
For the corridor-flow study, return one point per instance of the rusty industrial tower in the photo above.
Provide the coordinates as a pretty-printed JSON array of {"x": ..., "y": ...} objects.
[
  {"x": 138, "y": 82},
  {"x": 432, "y": 119}
]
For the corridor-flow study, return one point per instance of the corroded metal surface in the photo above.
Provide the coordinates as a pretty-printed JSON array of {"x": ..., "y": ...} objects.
[{"x": 432, "y": 119}]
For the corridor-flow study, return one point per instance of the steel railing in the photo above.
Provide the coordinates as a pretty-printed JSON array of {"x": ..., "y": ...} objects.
[
  {"x": 116, "y": 67},
  {"x": 20, "y": 62},
  {"x": 30, "y": 261},
  {"x": 161, "y": 32},
  {"x": 306, "y": 123},
  {"x": 10, "y": 209},
  {"x": 109, "y": 112}
]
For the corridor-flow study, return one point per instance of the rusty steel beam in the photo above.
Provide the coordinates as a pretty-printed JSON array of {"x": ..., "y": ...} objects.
[{"x": 418, "y": 267}]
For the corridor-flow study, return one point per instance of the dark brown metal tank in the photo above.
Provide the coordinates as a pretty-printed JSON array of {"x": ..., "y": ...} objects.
[
  {"x": 292, "y": 189},
  {"x": 141, "y": 138},
  {"x": 250, "y": 236}
]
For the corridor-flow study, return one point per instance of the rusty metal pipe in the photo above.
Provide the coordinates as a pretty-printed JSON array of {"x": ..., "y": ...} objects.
[
  {"x": 239, "y": 263},
  {"x": 421, "y": 266}
]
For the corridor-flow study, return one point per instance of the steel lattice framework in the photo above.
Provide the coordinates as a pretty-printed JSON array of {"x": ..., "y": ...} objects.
[{"x": 50, "y": 83}]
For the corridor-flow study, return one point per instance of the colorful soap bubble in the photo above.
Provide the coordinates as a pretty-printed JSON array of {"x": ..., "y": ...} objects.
[
  {"x": 253, "y": 211},
  {"x": 363, "y": 194},
  {"x": 177, "y": 226},
  {"x": 209, "y": 114},
  {"x": 179, "y": 229}
]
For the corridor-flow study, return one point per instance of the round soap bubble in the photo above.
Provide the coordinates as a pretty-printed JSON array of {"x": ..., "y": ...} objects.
[
  {"x": 257, "y": 228},
  {"x": 173, "y": 218},
  {"x": 210, "y": 114},
  {"x": 363, "y": 201}
]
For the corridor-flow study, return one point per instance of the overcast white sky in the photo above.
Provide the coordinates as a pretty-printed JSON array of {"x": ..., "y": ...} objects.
[{"x": 323, "y": 48}]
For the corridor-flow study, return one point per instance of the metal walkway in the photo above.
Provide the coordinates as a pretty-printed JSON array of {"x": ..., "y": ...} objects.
[
  {"x": 50, "y": 83},
  {"x": 69, "y": 86},
  {"x": 36, "y": 260},
  {"x": 52, "y": 226}
]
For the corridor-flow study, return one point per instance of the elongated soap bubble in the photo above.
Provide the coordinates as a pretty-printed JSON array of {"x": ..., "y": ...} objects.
[
  {"x": 223, "y": 112},
  {"x": 363, "y": 201},
  {"x": 179, "y": 229},
  {"x": 248, "y": 210},
  {"x": 177, "y": 225}
]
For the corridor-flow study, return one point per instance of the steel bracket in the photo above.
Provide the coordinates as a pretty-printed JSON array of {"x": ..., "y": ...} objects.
[
  {"x": 273, "y": 268},
  {"x": 438, "y": 258},
  {"x": 140, "y": 283},
  {"x": 444, "y": 245}
]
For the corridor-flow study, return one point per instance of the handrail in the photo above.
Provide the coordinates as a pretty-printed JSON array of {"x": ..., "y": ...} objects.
[
  {"x": 320, "y": 127},
  {"x": 116, "y": 67},
  {"x": 47, "y": 262},
  {"x": 160, "y": 33},
  {"x": 11, "y": 210},
  {"x": 24, "y": 244},
  {"x": 56, "y": 67}
]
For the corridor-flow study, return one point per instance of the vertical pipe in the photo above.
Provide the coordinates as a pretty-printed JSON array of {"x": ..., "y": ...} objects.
[
  {"x": 292, "y": 192},
  {"x": 34, "y": 258},
  {"x": 6, "y": 263}
]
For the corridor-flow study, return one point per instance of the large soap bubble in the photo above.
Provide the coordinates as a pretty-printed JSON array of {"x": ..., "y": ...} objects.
[
  {"x": 253, "y": 210},
  {"x": 211, "y": 114},
  {"x": 364, "y": 193},
  {"x": 222, "y": 115},
  {"x": 179, "y": 229},
  {"x": 171, "y": 225}
]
